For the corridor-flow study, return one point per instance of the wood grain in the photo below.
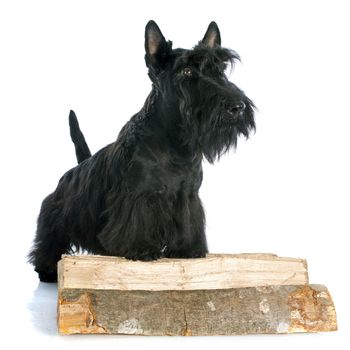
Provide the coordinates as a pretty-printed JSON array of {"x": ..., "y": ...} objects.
[{"x": 213, "y": 272}]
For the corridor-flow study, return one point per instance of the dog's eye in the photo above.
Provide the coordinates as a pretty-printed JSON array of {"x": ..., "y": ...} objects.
[{"x": 187, "y": 72}]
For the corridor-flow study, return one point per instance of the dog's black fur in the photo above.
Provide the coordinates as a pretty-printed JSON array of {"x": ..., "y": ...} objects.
[{"x": 138, "y": 197}]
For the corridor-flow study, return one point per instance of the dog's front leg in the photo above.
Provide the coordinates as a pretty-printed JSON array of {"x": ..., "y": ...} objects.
[
  {"x": 135, "y": 225},
  {"x": 188, "y": 236}
]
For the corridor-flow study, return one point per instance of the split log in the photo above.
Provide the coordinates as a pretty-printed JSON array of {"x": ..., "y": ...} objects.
[
  {"x": 181, "y": 297},
  {"x": 213, "y": 272}
]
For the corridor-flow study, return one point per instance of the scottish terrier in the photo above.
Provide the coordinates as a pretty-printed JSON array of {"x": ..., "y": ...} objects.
[{"x": 138, "y": 197}]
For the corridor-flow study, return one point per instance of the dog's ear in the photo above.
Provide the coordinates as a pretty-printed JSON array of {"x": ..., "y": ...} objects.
[
  {"x": 212, "y": 36},
  {"x": 155, "y": 44}
]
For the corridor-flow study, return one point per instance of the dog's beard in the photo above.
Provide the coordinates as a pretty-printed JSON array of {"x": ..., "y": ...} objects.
[
  {"x": 219, "y": 132},
  {"x": 209, "y": 127}
]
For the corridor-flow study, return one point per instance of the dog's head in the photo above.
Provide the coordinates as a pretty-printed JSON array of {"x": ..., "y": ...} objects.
[{"x": 193, "y": 84}]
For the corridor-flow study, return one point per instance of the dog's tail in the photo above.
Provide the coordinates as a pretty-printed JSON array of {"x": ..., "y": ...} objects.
[{"x": 81, "y": 148}]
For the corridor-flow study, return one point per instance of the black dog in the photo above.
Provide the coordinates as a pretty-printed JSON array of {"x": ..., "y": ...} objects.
[{"x": 138, "y": 197}]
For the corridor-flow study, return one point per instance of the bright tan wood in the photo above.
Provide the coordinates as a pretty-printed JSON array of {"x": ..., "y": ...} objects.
[{"x": 216, "y": 271}]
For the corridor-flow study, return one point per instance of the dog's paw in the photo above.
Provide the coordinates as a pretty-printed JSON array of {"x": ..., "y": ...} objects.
[
  {"x": 185, "y": 254},
  {"x": 144, "y": 256},
  {"x": 198, "y": 255}
]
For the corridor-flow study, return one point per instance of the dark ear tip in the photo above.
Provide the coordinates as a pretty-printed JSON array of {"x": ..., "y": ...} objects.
[
  {"x": 213, "y": 24},
  {"x": 151, "y": 24}
]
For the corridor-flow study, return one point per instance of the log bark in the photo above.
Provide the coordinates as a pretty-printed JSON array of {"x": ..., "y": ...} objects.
[
  {"x": 213, "y": 272},
  {"x": 217, "y": 295},
  {"x": 274, "y": 309}
]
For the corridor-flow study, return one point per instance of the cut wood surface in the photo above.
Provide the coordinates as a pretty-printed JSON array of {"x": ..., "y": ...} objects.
[
  {"x": 216, "y": 271},
  {"x": 273, "y": 309}
]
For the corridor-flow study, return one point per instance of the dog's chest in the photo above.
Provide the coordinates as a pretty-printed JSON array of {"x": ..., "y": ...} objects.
[{"x": 159, "y": 170}]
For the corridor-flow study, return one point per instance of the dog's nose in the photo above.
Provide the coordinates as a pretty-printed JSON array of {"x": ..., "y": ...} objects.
[
  {"x": 239, "y": 107},
  {"x": 236, "y": 108}
]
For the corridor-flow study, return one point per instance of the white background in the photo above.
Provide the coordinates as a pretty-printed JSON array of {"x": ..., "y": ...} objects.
[{"x": 286, "y": 190}]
